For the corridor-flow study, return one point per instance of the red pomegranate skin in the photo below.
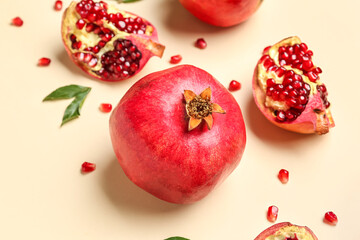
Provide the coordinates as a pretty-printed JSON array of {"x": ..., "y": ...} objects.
[
  {"x": 150, "y": 137},
  {"x": 223, "y": 13}
]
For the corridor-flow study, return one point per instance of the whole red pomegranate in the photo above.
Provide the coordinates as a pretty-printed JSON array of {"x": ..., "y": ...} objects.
[
  {"x": 288, "y": 91},
  {"x": 287, "y": 231},
  {"x": 107, "y": 43},
  {"x": 177, "y": 133},
  {"x": 223, "y": 13}
]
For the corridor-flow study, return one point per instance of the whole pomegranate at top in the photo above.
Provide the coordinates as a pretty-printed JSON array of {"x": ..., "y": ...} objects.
[
  {"x": 288, "y": 91},
  {"x": 287, "y": 231},
  {"x": 177, "y": 133},
  {"x": 108, "y": 44},
  {"x": 223, "y": 13}
]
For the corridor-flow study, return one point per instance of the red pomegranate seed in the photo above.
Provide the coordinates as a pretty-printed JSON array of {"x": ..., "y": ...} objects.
[
  {"x": 281, "y": 117},
  {"x": 44, "y": 62},
  {"x": 200, "y": 43},
  {"x": 58, "y": 5},
  {"x": 87, "y": 167},
  {"x": 283, "y": 176},
  {"x": 17, "y": 22},
  {"x": 330, "y": 218},
  {"x": 234, "y": 85},
  {"x": 80, "y": 24},
  {"x": 174, "y": 59},
  {"x": 272, "y": 213},
  {"x": 105, "y": 107}
]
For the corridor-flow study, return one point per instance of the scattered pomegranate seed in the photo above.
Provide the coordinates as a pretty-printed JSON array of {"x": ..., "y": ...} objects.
[
  {"x": 272, "y": 213},
  {"x": 58, "y": 5},
  {"x": 17, "y": 22},
  {"x": 330, "y": 218},
  {"x": 87, "y": 167},
  {"x": 105, "y": 107},
  {"x": 234, "y": 85},
  {"x": 175, "y": 59},
  {"x": 283, "y": 176},
  {"x": 200, "y": 43},
  {"x": 43, "y": 62}
]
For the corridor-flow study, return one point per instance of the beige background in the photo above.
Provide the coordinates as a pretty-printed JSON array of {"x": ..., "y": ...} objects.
[{"x": 44, "y": 195}]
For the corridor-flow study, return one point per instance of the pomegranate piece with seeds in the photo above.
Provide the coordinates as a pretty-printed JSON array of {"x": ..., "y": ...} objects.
[
  {"x": 105, "y": 107},
  {"x": 175, "y": 59},
  {"x": 288, "y": 91},
  {"x": 287, "y": 231},
  {"x": 43, "y": 62},
  {"x": 234, "y": 85},
  {"x": 330, "y": 218},
  {"x": 87, "y": 167},
  {"x": 283, "y": 176},
  {"x": 17, "y": 21},
  {"x": 107, "y": 43},
  {"x": 200, "y": 43},
  {"x": 58, "y": 5}
]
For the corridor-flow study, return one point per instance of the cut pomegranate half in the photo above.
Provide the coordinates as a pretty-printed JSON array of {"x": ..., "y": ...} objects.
[
  {"x": 286, "y": 231},
  {"x": 288, "y": 91},
  {"x": 108, "y": 44}
]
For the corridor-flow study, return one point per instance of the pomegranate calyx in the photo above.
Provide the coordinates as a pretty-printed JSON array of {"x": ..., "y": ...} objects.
[{"x": 199, "y": 107}]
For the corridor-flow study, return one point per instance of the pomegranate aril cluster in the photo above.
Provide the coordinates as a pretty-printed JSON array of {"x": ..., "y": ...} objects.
[
  {"x": 96, "y": 12},
  {"x": 122, "y": 62},
  {"x": 293, "y": 91},
  {"x": 299, "y": 56}
]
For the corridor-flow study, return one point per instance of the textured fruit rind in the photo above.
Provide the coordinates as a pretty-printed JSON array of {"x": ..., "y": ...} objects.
[{"x": 149, "y": 133}]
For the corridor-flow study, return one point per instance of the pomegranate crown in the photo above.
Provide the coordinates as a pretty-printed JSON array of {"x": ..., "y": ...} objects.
[{"x": 199, "y": 107}]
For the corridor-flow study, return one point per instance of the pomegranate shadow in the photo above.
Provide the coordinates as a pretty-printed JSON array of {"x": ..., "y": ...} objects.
[{"x": 126, "y": 196}]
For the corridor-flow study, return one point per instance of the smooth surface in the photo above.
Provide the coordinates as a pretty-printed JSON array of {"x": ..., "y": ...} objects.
[{"x": 44, "y": 195}]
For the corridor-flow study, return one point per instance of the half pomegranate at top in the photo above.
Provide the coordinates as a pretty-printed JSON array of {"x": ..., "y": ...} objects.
[
  {"x": 288, "y": 91},
  {"x": 107, "y": 43}
]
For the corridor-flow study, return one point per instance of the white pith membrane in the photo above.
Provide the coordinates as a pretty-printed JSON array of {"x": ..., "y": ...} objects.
[
  {"x": 321, "y": 119},
  {"x": 91, "y": 39},
  {"x": 292, "y": 232}
]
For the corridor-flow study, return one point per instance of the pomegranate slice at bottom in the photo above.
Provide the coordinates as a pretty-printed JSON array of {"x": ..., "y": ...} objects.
[{"x": 286, "y": 231}]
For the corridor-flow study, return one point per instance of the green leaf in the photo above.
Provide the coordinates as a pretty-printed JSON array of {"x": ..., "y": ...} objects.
[
  {"x": 176, "y": 238},
  {"x": 73, "y": 110},
  {"x": 65, "y": 92}
]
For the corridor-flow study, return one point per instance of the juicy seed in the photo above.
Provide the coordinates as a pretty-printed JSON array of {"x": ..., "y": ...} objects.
[
  {"x": 280, "y": 116},
  {"x": 80, "y": 24},
  {"x": 44, "y": 62},
  {"x": 58, "y": 5},
  {"x": 174, "y": 59},
  {"x": 330, "y": 218},
  {"x": 87, "y": 167},
  {"x": 234, "y": 85},
  {"x": 105, "y": 107},
  {"x": 272, "y": 213},
  {"x": 200, "y": 43},
  {"x": 283, "y": 176},
  {"x": 17, "y": 22}
]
